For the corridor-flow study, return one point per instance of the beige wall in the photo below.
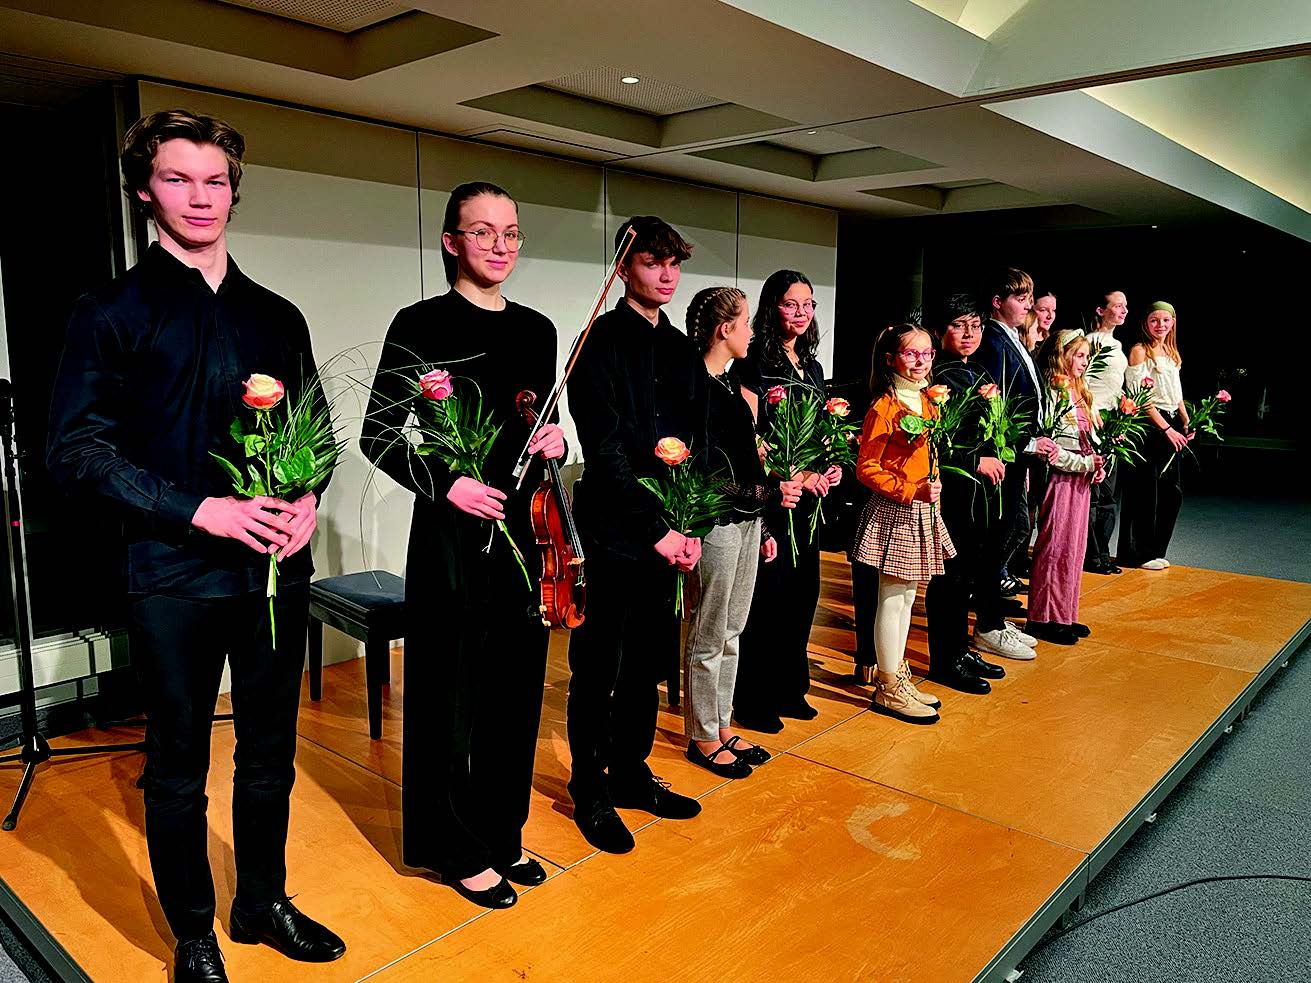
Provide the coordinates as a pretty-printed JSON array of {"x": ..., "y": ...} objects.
[{"x": 342, "y": 218}]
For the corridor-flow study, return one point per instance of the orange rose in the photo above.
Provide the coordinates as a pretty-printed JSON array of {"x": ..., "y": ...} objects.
[
  {"x": 1128, "y": 406},
  {"x": 436, "y": 385},
  {"x": 263, "y": 392},
  {"x": 1060, "y": 381},
  {"x": 989, "y": 391},
  {"x": 838, "y": 407},
  {"x": 671, "y": 450},
  {"x": 937, "y": 394}
]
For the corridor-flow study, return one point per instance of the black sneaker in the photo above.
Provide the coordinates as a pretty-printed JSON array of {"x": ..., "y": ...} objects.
[
  {"x": 654, "y": 796},
  {"x": 602, "y": 827},
  {"x": 199, "y": 961}
]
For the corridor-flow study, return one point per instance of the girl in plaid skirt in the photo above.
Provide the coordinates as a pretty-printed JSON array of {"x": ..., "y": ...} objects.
[{"x": 901, "y": 531}]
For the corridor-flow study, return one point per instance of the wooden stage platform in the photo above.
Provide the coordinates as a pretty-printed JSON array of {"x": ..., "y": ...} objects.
[{"x": 866, "y": 850}]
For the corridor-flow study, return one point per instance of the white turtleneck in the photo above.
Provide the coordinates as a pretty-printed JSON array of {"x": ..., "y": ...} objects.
[{"x": 908, "y": 392}]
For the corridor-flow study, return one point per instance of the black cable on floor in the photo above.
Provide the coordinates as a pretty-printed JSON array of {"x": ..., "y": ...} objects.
[{"x": 1164, "y": 891}]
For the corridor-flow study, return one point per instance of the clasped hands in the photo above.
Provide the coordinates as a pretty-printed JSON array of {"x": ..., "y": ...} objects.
[{"x": 284, "y": 527}]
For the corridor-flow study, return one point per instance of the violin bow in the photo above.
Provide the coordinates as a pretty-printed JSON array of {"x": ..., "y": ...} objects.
[{"x": 545, "y": 411}]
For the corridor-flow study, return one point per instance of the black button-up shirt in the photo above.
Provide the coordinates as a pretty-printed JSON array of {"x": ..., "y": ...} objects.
[
  {"x": 634, "y": 384},
  {"x": 151, "y": 377}
]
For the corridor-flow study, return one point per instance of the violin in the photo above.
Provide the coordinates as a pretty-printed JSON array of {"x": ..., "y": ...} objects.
[{"x": 564, "y": 584}]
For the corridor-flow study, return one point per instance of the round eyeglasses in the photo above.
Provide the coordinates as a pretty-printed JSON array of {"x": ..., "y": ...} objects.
[
  {"x": 486, "y": 238},
  {"x": 792, "y": 308}
]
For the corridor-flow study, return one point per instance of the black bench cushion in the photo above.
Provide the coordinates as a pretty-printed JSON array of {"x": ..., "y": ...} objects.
[{"x": 359, "y": 594}]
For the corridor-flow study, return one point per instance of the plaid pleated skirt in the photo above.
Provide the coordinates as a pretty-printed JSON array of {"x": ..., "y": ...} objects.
[{"x": 909, "y": 542}]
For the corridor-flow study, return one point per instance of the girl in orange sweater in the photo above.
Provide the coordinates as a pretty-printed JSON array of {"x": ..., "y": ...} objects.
[{"x": 900, "y": 531}]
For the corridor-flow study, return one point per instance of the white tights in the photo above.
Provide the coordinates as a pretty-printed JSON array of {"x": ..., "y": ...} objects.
[{"x": 892, "y": 621}]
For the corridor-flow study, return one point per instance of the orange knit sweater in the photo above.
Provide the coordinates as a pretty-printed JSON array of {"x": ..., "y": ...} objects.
[{"x": 889, "y": 463}]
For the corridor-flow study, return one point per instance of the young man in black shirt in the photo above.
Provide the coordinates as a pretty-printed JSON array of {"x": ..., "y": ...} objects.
[
  {"x": 150, "y": 380},
  {"x": 638, "y": 380}
]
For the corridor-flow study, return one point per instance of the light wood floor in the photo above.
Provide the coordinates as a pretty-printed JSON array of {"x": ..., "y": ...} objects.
[{"x": 866, "y": 849}]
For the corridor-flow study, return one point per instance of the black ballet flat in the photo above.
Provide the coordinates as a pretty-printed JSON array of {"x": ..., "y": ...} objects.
[
  {"x": 755, "y": 755},
  {"x": 1051, "y": 631},
  {"x": 499, "y": 895},
  {"x": 737, "y": 768},
  {"x": 528, "y": 873},
  {"x": 802, "y": 711},
  {"x": 1080, "y": 630}
]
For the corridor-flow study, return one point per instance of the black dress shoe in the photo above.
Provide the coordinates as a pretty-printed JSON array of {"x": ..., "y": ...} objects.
[
  {"x": 199, "y": 961},
  {"x": 1097, "y": 567},
  {"x": 958, "y": 675},
  {"x": 802, "y": 711},
  {"x": 765, "y": 723},
  {"x": 1051, "y": 631},
  {"x": 602, "y": 827},
  {"x": 528, "y": 872},
  {"x": 734, "y": 768},
  {"x": 284, "y": 927},
  {"x": 655, "y": 797},
  {"x": 1080, "y": 630},
  {"x": 754, "y": 755},
  {"x": 1113, "y": 568},
  {"x": 981, "y": 668},
  {"x": 499, "y": 895}
]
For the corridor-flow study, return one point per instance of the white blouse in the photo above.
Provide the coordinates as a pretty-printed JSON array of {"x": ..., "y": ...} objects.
[
  {"x": 1107, "y": 386},
  {"x": 1168, "y": 392}
]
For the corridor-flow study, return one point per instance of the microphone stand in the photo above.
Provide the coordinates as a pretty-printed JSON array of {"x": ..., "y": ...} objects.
[{"x": 34, "y": 748}]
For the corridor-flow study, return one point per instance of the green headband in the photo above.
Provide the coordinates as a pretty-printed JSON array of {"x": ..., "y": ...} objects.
[{"x": 1161, "y": 305}]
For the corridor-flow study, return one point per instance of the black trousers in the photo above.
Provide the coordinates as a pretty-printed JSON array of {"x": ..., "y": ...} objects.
[
  {"x": 179, "y": 645},
  {"x": 997, "y": 539},
  {"x": 969, "y": 573},
  {"x": 773, "y": 669},
  {"x": 475, "y": 667},
  {"x": 865, "y": 599},
  {"x": 616, "y": 660},
  {"x": 1149, "y": 500},
  {"x": 1016, "y": 550},
  {"x": 1101, "y": 518}
]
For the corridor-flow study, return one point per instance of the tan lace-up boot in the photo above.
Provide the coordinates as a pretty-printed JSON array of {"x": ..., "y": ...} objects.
[{"x": 894, "y": 698}]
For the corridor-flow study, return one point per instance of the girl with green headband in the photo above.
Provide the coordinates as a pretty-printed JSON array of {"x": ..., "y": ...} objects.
[{"x": 1152, "y": 495}]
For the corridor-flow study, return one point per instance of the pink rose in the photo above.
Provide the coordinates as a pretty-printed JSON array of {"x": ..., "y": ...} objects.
[
  {"x": 263, "y": 392},
  {"x": 776, "y": 395},
  {"x": 838, "y": 407},
  {"x": 937, "y": 394},
  {"x": 436, "y": 385},
  {"x": 1148, "y": 382},
  {"x": 1128, "y": 406},
  {"x": 989, "y": 391},
  {"x": 1223, "y": 396},
  {"x": 671, "y": 450}
]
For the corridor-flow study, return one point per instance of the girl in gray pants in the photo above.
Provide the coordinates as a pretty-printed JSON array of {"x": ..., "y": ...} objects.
[{"x": 717, "y": 322}]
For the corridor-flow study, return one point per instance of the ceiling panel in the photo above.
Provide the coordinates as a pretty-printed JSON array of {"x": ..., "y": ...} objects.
[{"x": 647, "y": 95}]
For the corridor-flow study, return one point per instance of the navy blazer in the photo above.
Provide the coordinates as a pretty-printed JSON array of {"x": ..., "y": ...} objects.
[{"x": 1001, "y": 358}]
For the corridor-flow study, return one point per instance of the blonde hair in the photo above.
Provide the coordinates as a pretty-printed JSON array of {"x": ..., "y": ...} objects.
[
  {"x": 709, "y": 309},
  {"x": 1054, "y": 358},
  {"x": 1170, "y": 342}
]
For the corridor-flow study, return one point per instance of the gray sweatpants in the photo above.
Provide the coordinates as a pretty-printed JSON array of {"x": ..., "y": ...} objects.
[{"x": 728, "y": 579}]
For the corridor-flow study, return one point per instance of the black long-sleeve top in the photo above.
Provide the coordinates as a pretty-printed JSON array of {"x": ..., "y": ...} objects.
[
  {"x": 501, "y": 352},
  {"x": 731, "y": 437},
  {"x": 962, "y": 377},
  {"x": 149, "y": 382},
  {"x": 634, "y": 384}
]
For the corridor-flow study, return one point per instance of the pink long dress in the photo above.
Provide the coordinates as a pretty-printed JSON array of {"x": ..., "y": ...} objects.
[{"x": 1062, "y": 538}]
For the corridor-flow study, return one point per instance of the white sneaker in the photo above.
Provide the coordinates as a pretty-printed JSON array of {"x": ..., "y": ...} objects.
[
  {"x": 1004, "y": 643},
  {"x": 1155, "y": 565},
  {"x": 1012, "y": 629}
]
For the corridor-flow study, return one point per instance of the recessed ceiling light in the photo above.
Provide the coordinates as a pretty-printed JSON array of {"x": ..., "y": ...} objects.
[
  {"x": 630, "y": 80},
  {"x": 812, "y": 132}
]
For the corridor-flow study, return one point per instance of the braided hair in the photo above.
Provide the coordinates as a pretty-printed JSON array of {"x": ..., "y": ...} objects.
[{"x": 709, "y": 309}]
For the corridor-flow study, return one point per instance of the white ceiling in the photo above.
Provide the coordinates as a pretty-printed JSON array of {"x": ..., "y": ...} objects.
[{"x": 1129, "y": 109}]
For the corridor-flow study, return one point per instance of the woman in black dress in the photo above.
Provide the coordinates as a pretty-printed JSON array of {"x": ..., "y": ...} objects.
[
  {"x": 475, "y": 651},
  {"x": 774, "y": 666}
]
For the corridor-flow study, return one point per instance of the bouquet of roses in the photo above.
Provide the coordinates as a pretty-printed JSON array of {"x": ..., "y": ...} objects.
[
  {"x": 999, "y": 425},
  {"x": 1124, "y": 426},
  {"x": 460, "y": 433},
  {"x": 838, "y": 437},
  {"x": 284, "y": 458},
  {"x": 941, "y": 431},
  {"x": 1052, "y": 421},
  {"x": 796, "y": 437},
  {"x": 1204, "y": 418},
  {"x": 692, "y": 499}
]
